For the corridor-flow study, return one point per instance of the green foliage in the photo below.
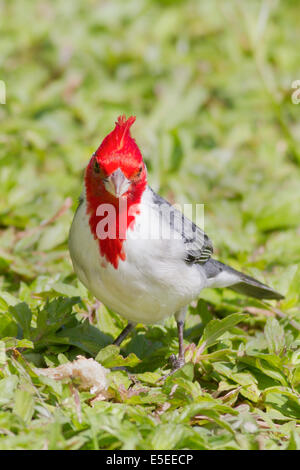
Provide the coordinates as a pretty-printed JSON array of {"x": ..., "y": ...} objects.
[{"x": 210, "y": 84}]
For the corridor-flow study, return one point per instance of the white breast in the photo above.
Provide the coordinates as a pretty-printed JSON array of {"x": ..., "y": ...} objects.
[{"x": 151, "y": 284}]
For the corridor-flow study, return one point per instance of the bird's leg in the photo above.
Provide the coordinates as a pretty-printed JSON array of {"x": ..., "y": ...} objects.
[
  {"x": 178, "y": 362},
  {"x": 124, "y": 333}
]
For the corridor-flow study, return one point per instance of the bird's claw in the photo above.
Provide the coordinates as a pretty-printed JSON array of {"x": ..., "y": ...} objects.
[{"x": 176, "y": 362}]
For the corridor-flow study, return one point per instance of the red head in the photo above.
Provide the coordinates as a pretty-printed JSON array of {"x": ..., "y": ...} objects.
[{"x": 116, "y": 171}]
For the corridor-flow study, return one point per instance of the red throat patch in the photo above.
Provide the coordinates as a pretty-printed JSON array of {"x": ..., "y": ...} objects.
[{"x": 117, "y": 151}]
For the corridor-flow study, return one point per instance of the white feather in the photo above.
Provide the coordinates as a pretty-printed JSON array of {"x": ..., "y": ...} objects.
[{"x": 152, "y": 283}]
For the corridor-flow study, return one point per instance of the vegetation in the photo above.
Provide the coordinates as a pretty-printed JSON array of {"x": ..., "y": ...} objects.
[{"x": 210, "y": 84}]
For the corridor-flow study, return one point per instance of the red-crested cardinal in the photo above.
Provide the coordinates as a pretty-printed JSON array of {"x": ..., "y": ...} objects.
[{"x": 142, "y": 261}]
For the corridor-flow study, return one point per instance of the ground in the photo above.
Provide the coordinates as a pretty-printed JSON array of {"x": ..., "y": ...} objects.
[{"x": 211, "y": 86}]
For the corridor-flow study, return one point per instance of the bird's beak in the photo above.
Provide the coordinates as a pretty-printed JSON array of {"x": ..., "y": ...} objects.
[{"x": 117, "y": 184}]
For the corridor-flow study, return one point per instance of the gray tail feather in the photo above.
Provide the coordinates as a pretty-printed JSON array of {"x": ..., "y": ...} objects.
[
  {"x": 247, "y": 285},
  {"x": 252, "y": 288}
]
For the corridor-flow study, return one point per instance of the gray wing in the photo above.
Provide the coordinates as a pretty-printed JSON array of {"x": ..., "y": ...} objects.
[{"x": 198, "y": 247}]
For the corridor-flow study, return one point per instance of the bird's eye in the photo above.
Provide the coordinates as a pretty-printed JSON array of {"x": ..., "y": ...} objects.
[
  {"x": 96, "y": 167},
  {"x": 137, "y": 173},
  {"x": 99, "y": 170}
]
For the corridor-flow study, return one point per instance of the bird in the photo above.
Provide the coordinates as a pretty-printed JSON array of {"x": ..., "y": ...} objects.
[{"x": 135, "y": 252}]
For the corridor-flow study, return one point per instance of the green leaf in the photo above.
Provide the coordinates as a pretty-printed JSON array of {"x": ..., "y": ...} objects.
[
  {"x": 274, "y": 333},
  {"x": 8, "y": 325},
  {"x": 7, "y": 387},
  {"x": 23, "y": 316},
  {"x": 54, "y": 315},
  {"x": 249, "y": 383},
  {"x": 107, "y": 354},
  {"x": 23, "y": 405},
  {"x": 83, "y": 335},
  {"x": 17, "y": 343},
  {"x": 167, "y": 436},
  {"x": 271, "y": 371},
  {"x": 282, "y": 400},
  {"x": 110, "y": 357},
  {"x": 185, "y": 372},
  {"x": 216, "y": 328},
  {"x": 294, "y": 442}
]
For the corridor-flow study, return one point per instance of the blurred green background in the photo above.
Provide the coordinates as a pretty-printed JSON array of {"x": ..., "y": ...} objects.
[{"x": 210, "y": 83}]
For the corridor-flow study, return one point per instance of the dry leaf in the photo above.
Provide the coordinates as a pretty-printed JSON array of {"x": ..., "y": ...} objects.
[{"x": 91, "y": 375}]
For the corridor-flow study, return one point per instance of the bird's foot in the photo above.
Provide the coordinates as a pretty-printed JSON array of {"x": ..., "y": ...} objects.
[{"x": 176, "y": 362}]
